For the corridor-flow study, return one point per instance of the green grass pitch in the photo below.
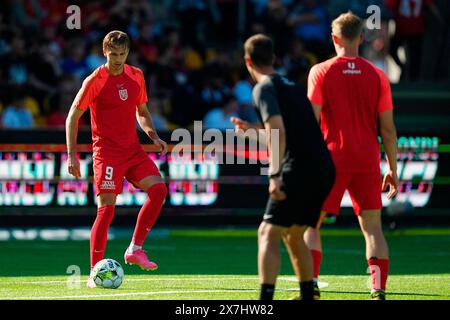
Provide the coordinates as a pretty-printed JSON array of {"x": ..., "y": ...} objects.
[{"x": 221, "y": 264}]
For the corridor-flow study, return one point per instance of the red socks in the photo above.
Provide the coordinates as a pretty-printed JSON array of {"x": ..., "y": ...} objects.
[
  {"x": 317, "y": 261},
  {"x": 149, "y": 212},
  {"x": 147, "y": 217},
  {"x": 379, "y": 269},
  {"x": 99, "y": 233}
]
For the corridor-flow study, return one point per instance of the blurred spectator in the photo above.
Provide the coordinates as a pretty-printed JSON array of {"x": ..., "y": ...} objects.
[
  {"x": 58, "y": 114},
  {"x": 409, "y": 19},
  {"x": 243, "y": 94},
  {"x": 193, "y": 17},
  {"x": 377, "y": 42},
  {"x": 191, "y": 50},
  {"x": 185, "y": 102},
  {"x": 214, "y": 89},
  {"x": 95, "y": 58},
  {"x": 171, "y": 49},
  {"x": 27, "y": 13},
  {"x": 14, "y": 65},
  {"x": 311, "y": 25},
  {"x": 377, "y": 48},
  {"x": 133, "y": 13},
  {"x": 219, "y": 117},
  {"x": 16, "y": 115},
  {"x": 54, "y": 11},
  {"x": 32, "y": 104},
  {"x": 261, "y": 5},
  {"x": 146, "y": 45},
  {"x": 55, "y": 41},
  {"x": 44, "y": 72},
  {"x": 74, "y": 62},
  {"x": 44, "y": 69},
  {"x": 358, "y": 7},
  {"x": 59, "y": 105},
  {"x": 155, "y": 107},
  {"x": 298, "y": 62},
  {"x": 436, "y": 62},
  {"x": 227, "y": 21},
  {"x": 3, "y": 29},
  {"x": 272, "y": 21}
]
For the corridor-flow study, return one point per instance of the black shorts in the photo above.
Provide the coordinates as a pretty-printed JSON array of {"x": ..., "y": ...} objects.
[{"x": 305, "y": 196}]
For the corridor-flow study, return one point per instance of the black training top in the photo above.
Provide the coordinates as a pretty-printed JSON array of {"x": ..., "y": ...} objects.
[{"x": 305, "y": 147}]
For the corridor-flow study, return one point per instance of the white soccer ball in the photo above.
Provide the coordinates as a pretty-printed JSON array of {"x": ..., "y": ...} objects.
[{"x": 108, "y": 273}]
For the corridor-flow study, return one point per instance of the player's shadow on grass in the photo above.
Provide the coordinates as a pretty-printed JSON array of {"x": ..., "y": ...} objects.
[{"x": 388, "y": 294}]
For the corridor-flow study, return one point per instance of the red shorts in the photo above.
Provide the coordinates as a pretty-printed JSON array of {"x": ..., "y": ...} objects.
[
  {"x": 364, "y": 189},
  {"x": 110, "y": 171}
]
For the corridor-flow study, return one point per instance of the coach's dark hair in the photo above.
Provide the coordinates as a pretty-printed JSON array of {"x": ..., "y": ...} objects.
[
  {"x": 259, "y": 48},
  {"x": 116, "y": 38}
]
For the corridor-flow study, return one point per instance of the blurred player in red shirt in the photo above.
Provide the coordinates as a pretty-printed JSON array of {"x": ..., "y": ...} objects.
[
  {"x": 409, "y": 16},
  {"x": 350, "y": 96},
  {"x": 116, "y": 95}
]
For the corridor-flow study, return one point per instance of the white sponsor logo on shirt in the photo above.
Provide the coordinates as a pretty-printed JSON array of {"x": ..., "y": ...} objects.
[
  {"x": 351, "y": 69},
  {"x": 107, "y": 185}
]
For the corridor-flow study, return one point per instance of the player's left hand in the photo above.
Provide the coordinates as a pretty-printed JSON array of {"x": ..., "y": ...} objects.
[
  {"x": 161, "y": 144},
  {"x": 275, "y": 189},
  {"x": 390, "y": 179}
]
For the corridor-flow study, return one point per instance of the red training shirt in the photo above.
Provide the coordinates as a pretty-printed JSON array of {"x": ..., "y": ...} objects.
[
  {"x": 113, "y": 102},
  {"x": 351, "y": 92}
]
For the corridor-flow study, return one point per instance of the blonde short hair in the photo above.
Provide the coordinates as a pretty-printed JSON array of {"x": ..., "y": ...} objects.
[{"x": 348, "y": 26}]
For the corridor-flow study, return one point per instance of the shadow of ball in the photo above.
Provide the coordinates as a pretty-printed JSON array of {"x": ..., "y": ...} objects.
[{"x": 398, "y": 209}]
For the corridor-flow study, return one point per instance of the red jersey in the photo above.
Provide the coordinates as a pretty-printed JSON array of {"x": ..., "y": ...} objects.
[
  {"x": 113, "y": 102},
  {"x": 409, "y": 15},
  {"x": 351, "y": 92}
]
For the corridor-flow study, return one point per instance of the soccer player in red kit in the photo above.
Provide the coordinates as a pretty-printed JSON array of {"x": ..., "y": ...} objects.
[
  {"x": 350, "y": 96},
  {"x": 116, "y": 95}
]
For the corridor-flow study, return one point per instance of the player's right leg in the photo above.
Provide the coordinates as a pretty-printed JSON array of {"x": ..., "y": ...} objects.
[
  {"x": 377, "y": 252},
  {"x": 294, "y": 240},
  {"x": 331, "y": 205},
  {"x": 307, "y": 214},
  {"x": 108, "y": 177},
  {"x": 269, "y": 236},
  {"x": 365, "y": 192},
  {"x": 99, "y": 231}
]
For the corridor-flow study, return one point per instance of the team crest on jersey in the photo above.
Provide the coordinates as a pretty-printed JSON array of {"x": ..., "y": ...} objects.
[
  {"x": 351, "y": 65},
  {"x": 123, "y": 94}
]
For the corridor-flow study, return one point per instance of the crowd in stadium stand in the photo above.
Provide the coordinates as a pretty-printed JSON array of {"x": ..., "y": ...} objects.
[{"x": 191, "y": 51}]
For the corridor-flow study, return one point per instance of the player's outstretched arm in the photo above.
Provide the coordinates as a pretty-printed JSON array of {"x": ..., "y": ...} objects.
[
  {"x": 145, "y": 122},
  {"x": 73, "y": 165},
  {"x": 242, "y": 127},
  {"x": 389, "y": 137},
  {"x": 240, "y": 124}
]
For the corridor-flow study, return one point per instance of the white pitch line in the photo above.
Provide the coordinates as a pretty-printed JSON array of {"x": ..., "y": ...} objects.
[
  {"x": 294, "y": 279},
  {"x": 291, "y": 279},
  {"x": 137, "y": 294},
  {"x": 140, "y": 280}
]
